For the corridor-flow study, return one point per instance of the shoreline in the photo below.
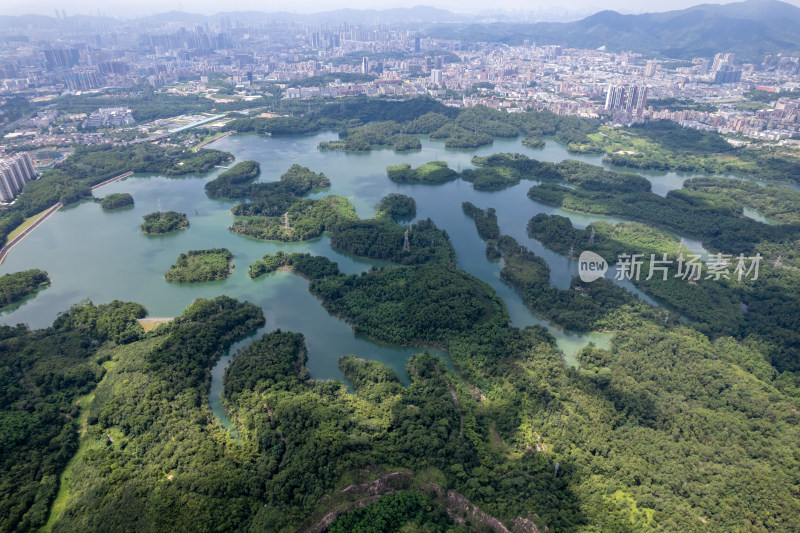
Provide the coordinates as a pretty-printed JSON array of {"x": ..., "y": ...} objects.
[
  {"x": 209, "y": 141},
  {"x": 16, "y": 240}
]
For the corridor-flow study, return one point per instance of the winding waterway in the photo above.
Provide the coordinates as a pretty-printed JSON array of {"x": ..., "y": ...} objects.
[{"x": 102, "y": 256}]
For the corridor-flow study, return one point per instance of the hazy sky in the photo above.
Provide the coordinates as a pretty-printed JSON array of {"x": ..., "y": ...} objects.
[{"x": 131, "y": 8}]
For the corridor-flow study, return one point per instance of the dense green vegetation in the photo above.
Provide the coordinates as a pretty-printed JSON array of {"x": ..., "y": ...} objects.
[
  {"x": 310, "y": 266},
  {"x": 431, "y": 173},
  {"x": 395, "y": 513},
  {"x": 517, "y": 437},
  {"x": 346, "y": 112},
  {"x": 43, "y": 373},
  {"x": 270, "y": 198},
  {"x": 628, "y": 394},
  {"x": 557, "y": 233},
  {"x": 201, "y": 265},
  {"x": 397, "y": 304},
  {"x": 9, "y": 221},
  {"x": 164, "y": 222},
  {"x": 533, "y": 142},
  {"x": 304, "y": 219},
  {"x": 664, "y": 145},
  {"x": 17, "y": 285},
  {"x": 152, "y": 458},
  {"x": 485, "y": 220},
  {"x": 116, "y": 200},
  {"x": 684, "y": 423},
  {"x": 714, "y": 306},
  {"x": 364, "y": 123},
  {"x": 503, "y": 170},
  {"x": 780, "y": 203},
  {"x": 715, "y": 218},
  {"x": 457, "y": 137},
  {"x": 363, "y": 138},
  {"x": 231, "y": 182},
  {"x": 398, "y": 206},
  {"x": 275, "y": 210},
  {"x": 600, "y": 305},
  {"x": 385, "y": 240}
]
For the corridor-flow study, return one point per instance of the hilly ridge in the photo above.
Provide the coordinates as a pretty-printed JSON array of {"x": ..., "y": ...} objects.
[{"x": 751, "y": 29}]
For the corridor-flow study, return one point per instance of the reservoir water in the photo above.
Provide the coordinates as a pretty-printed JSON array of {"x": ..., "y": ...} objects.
[{"x": 103, "y": 256}]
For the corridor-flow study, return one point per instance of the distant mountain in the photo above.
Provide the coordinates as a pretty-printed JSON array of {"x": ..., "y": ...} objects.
[
  {"x": 422, "y": 15},
  {"x": 751, "y": 29}
]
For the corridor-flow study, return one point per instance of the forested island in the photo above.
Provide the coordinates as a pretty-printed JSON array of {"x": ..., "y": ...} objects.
[
  {"x": 430, "y": 173},
  {"x": 500, "y": 171},
  {"x": 277, "y": 210},
  {"x": 201, "y": 265},
  {"x": 485, "y": 220},
  {"x": 116, "y": 200},
  {"x": 16, "y": 286},
  {"x": 164, "y": 222},
  {"x": 310, "y": 266},
  {"x": 398, "y": 206}
]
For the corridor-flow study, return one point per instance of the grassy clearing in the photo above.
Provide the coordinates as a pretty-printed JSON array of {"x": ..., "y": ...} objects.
[
  {"x": 214, "y": 137},
  {"x": 149, "y": 324},
  {"x": 25, "y": 225}
]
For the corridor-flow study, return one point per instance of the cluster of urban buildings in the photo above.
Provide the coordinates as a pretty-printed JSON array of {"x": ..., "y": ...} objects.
[
  {"x": 15, "y": 172},
  {"x": 109, "y": 117},
  {"x": 39, "y": 62}
]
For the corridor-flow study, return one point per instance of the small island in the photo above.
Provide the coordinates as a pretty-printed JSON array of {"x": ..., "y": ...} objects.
[
  {"x": 16, "y": 286},
  {"x": 164, "y": 222},
  {"x": 398, "y": 206},
  {"x": 201, "y": 265},
  {"x": 307, "y": 265},
  {"x": 434, "y": 172},
  {"x": 116, "y": 200},
  {"x": 533, "y": 142}
]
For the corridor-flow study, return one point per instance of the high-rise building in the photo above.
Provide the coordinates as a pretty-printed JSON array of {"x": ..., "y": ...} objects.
[
  {"x": 61, "y": 57},
  {"x": 727, "y": 75},
  {"x": 416, "y": 45},
  {"x": 615, "y": 97},
  {"x": 436, "y": 76},
  {"x": 720, "y": 58},
  {"x": 365, "y": 66},
  {"x": 650, "y": 69},
  {"x": 83, "y": 80},
  {"x": 621, "y": 99},
  {"x": 15, "y": 172},
  {"x": 637, "y": 99}
]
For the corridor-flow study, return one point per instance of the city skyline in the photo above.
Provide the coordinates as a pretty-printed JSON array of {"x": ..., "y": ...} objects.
[{"x": 573, "y": 9}]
